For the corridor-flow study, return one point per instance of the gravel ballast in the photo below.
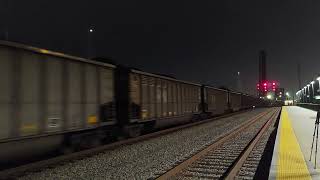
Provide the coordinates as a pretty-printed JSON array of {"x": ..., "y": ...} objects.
[
  {"x": 147, "y": 159},
  {"x": 217, "y": 161}
]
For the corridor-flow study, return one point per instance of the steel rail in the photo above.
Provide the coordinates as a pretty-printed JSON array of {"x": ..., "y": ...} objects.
[
  {"x": 234, "y": 170},
  {"x": 179, "y": 168}
]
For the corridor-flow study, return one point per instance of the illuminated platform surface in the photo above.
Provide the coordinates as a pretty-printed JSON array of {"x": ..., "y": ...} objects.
[{"x": 293, "y": 146}]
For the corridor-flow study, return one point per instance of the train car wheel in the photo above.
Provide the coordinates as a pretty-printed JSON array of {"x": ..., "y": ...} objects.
[
  {"x": 67, "y": 149},
  {"x": 95, "y": 142},
  {"x": 134, "y": 132}
]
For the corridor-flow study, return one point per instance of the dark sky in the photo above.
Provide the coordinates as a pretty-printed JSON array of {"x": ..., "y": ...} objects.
[{"x": 202, "y": 41}]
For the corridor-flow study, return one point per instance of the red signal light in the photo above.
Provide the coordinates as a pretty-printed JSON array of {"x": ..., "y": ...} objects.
[{"x": 265, "y": 84}]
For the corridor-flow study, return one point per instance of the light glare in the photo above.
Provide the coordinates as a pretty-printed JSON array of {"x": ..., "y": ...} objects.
[{"x": 269, "y": 96}]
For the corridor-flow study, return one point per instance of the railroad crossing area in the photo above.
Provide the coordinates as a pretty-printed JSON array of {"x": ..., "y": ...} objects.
[{"x": 292, "y": 150}]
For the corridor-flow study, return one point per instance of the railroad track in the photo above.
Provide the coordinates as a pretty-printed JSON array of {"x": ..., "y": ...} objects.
[
  {"x": 229, "y": 156},
  {"x": 59, "y": 160}
]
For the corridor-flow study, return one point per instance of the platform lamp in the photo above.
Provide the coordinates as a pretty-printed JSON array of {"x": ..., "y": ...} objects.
[
  {"x": 312, "y": 86},
  {"x": 305, "y": 98},
  {"x": 287, "y": 95},
  {"x": 309, "y": 93},
  {"x": 298, "y": 94}
]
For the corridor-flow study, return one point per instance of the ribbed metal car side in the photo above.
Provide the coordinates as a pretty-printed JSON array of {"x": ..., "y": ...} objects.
[
  {"x": 216, "y": 100},
  {"x": 44, "y": 94},
  {"x": 161, "y": 99},
  {"x": 235, "y": 100}
]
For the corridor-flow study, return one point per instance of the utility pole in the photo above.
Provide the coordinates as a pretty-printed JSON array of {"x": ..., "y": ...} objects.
[
  {"x": 239, "y": 84},
  {"x": 90, "y": 43},
  {"x": 299, "y": 75}
]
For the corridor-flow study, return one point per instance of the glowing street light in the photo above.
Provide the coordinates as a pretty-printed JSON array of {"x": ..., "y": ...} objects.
[
  {"x": 91, "y": 30},
  {"x": 269, "y": 96},
  {"x": 287, "y": 94}
]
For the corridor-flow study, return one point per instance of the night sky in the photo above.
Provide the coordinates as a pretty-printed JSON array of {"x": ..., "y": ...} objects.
[{"x": 200, "y": 41}]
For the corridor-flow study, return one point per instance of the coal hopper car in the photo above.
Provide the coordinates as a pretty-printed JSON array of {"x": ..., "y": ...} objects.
[
  {"x": 147, "y": 101},
  {"x": 50, "y": 100}
]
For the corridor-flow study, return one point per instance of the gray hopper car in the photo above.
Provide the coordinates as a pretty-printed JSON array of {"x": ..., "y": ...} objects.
[
  {"x": 154, "y": 101},
  {"x": 216, "y": 100},
  {"x": 45, "y": 96}
]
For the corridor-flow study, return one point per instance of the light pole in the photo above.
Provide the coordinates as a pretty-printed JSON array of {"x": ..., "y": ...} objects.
[
  {"x": 239, "y": 88},
  {"x": 305, "y": 94},
  {"x": 318, "y": 85},
  {"x": 309, "y": 93},
  {"x": 90, "y": 43},
  {"x": 312, "y": 86},
  {"x": 287, "y": 95}
]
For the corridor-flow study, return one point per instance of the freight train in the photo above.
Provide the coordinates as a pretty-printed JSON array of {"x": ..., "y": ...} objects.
[{"x": 50, "y": 100}]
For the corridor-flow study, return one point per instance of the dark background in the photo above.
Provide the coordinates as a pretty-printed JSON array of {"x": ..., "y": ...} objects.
[{"x": 202, "y": 41}]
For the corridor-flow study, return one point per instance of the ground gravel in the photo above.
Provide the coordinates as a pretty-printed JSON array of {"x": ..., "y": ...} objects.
[
  {"x": 147, "y": 159},
  {"x": 215, "y": 163},
  {"x": 249, "y": 168}
]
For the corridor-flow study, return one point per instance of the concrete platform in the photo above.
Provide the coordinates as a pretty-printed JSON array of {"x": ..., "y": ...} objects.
[{"x": 291, "y": 152}]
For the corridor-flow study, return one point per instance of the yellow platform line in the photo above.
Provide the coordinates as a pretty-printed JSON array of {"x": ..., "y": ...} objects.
[{"x": 291, "y": 163}]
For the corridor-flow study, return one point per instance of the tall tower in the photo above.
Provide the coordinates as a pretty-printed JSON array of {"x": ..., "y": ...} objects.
[{"x": 262, "y": 67}]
